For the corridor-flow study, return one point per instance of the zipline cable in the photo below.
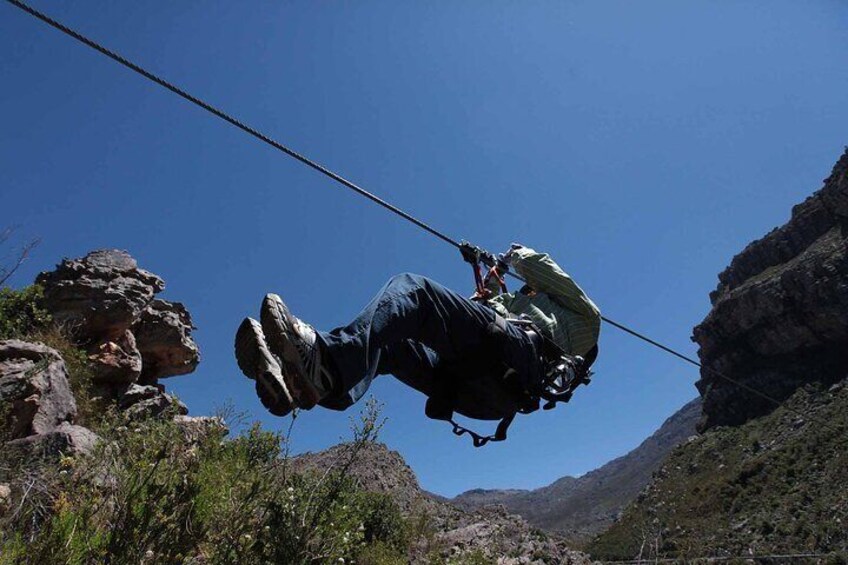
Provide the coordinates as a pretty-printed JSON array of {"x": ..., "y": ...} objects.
[
  {"x": 227, "y": 118},
  {"x": 343, "y": 181}
]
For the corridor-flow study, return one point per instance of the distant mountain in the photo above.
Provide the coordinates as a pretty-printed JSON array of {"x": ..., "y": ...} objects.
[{"x": 582, "y": 507}]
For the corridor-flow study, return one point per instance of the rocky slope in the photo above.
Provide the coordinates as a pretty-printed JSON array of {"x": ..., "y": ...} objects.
[
  {"x": 775, "y": 485},
  {"x": 579, "y": 508},
  {"x": 765, "y": 477},
  {"x": 779, "y": 312},
  {"x": 490, "y": 533}
]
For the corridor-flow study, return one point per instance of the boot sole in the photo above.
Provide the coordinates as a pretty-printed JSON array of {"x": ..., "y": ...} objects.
[
  {"x": 275, "y": 317},
  {"x": 272, "y": 390}
]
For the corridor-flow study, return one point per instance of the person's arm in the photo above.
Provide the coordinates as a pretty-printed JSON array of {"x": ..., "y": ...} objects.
[{"x": 544, "y": 275}]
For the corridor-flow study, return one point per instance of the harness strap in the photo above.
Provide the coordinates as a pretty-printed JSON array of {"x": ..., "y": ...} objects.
[
  {"x": 478, "y": 280},
  {"x": 480, "y": 441},
  {"x": 495, "y": 273}
]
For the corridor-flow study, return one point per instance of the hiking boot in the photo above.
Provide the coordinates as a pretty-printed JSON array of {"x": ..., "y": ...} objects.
[
  {"x": 295, "y": 343},
  {"x": 258, "y": 363}
]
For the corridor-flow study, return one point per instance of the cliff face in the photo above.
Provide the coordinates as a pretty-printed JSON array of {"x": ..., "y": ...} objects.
[
  {"x": 780, "y": 312},
  {"x": 762, "y": 478},
  {"x": 579, "y": 508}
]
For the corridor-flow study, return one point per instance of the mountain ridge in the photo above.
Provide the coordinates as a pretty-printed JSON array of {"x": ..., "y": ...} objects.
[{"x": 580, "y": 507}]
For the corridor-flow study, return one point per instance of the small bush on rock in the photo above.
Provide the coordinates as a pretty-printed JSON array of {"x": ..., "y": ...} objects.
[{"x": 21, "y": 312}]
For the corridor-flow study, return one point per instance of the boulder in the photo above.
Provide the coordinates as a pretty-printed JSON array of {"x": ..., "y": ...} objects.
[
  {"x": 196, "y": 428},
  {"x": 33, "y": 388},
  {"x": 107, "y": 303},
  {"x": 116, "y": 361},
  {"x": 5, "y": 498},
  {"x": 779, "y": 316},
  {"x": 155, "y": 406},
  {"x": 163, "y": 335},
  {"x": 99, "y": 296},
  {"x": 137, "y": 393},
  {"x": 64, "y": 440}
]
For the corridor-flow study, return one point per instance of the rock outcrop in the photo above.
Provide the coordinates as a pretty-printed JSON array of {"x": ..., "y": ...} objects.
[
  {"x": 108, "y": 304},
  {"x": 780, "y": 313},
  {"x": 64, "y": 439},
  {"x": 376, "y": 468},
  {"x": 767, "y": 476},
  {"x": 100, "y": 295},
  {"x": 163, "y": 334},
  {"x": 33, "y": 389},
  {"x": 492, "y": 532}
]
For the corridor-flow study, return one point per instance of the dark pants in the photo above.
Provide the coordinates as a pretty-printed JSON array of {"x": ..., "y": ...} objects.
[{"x": 423, "y": 334}]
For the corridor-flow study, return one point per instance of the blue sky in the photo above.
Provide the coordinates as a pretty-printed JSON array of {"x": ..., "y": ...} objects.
[{"x": 642, "y": 144}]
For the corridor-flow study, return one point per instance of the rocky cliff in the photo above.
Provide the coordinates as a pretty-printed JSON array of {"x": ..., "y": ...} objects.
[
  {"x": 579, "y": 508},
  {"x": 767, "y": 476},
  {"x": 778, "y": 317}
]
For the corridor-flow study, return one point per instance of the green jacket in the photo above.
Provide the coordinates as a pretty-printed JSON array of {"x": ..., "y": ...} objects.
[{"x": 559, "y": 307}]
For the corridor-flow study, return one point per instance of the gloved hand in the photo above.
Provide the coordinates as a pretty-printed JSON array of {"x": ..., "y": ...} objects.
[
  {"x": 473, "y": 254},
  {"x": 506, "y": 258},
  {"x": 470, "y": 252}
]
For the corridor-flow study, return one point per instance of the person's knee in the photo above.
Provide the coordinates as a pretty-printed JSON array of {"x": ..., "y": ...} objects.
[{"x": 406, "y": 281}]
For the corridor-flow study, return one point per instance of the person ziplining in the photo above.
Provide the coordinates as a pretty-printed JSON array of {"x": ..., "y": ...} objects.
[{"x": 488, "y": 357}]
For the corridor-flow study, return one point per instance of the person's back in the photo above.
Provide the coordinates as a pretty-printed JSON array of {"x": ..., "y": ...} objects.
[{"x": 555, "y": 303}]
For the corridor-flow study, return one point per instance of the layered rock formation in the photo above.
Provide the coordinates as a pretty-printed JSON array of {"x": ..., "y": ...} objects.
[
  {"x": 579, "y": 508},
  {"x": 780, "y": 312},
  {"x": 107, "y": 305},
  {"x": 501, "y": 537},
  {"x": 767, "y": 476}
]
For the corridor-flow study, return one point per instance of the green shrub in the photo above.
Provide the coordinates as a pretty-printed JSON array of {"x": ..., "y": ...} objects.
[
  {"x": 21, "y": 312},
  {"x": 91, "y": 410},
  {"x": 378, "y": 553},
  {"x": 150, "y": 494}
]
